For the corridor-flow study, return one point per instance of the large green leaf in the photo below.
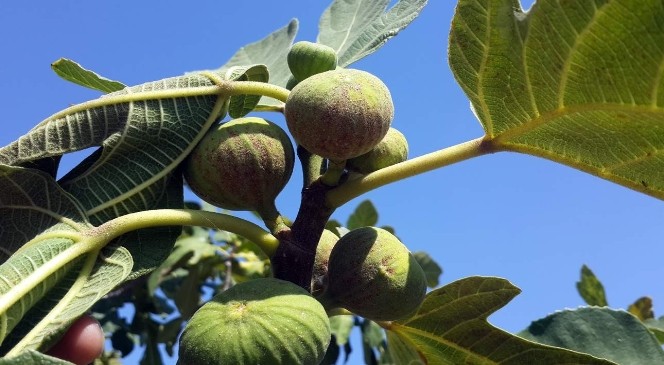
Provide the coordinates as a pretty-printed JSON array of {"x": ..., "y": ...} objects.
[
  {"x": 144, "y": 132},
  {"x": 72, "y": 71},
  {"x": 604, "y": 332},
  {"x": 50, "y": 278},
  {"x": 270, "y": 51},
  {"x": 357, "y": 28},
  {"x": 578, "y": 82},
  {"x": 451, "y": 328}
]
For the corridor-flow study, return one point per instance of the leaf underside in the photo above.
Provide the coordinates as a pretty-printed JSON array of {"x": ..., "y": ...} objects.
[
  {"x": 577, "y": 82},
  {"x": 357, "y": 28},
  {"x": 451, "y": 328}
]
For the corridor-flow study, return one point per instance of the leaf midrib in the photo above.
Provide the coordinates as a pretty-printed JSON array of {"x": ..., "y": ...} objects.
[
  {"x": 350, "y": 28},
  {"x": 399, "y": 329}
]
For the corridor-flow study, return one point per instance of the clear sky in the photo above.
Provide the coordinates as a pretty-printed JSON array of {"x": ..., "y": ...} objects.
[{"x": 529, "y": 220}]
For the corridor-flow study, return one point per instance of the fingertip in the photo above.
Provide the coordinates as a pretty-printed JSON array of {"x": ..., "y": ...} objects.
[{"x": 82, "y": 343}]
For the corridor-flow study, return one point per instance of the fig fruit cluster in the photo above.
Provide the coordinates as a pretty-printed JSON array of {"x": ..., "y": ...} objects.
[
  {"x": 242, "y": 164},
  {"x": 372, "y": 274},
  {"x": 262, "y": 321}
]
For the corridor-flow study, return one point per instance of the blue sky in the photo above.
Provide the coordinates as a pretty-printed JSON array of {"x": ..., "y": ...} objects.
[{"x": 529, "y": 220}]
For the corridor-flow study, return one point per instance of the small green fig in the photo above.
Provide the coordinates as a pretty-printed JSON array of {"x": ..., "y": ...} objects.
[
  {"x": 339, "y": 114},
  {"x": 242, "y": 164},
  {"x": 323, "y": 250},
  {"x": 391, "y": 150},
  {"x": 262, "y": 321},
  {"x": 306, "y": 59},
  {"x": 372, "y": 274}
]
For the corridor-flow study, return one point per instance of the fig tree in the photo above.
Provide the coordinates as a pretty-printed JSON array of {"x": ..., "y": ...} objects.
[
  {"x": 392, "y": 149},
  {"x": 307, "y": 59},
  {"x": 262, "y": 321},
  {"x": 372, "y": 274},
  {"x": 242, "y": 164},
  {"x": 339, "y": 114}
]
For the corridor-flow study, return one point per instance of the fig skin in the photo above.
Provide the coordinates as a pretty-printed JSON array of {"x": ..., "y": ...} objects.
[
  {"x": 372, "y": 274},
  {"x": 242, "y": 164},
  {"x": 391, "y": 150},
  {"x": 319, "y": 274},
  {"x": 306, "y": 59},
  {"x": 262, "y": 321},
  {"x": 339, "y": 114}
]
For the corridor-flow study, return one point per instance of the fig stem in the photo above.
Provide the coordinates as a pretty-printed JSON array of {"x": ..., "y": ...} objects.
[
  {"x": 334, "y": 172},
  {"x": 269, "y": 108},
  {"x": 431, "y": 161},
  {"x": 312, "y": 165},
  {"x": 256, "y": 88},
  {"x": 185, "y": 217}
]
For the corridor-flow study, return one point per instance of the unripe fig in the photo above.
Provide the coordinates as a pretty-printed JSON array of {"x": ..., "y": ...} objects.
[
  {"x": 262, "y": 321},
  {"x": 242, "y": 164},
  {"x": 291, "y": 83},
  {"x": 391, "y": 150},
  {"x": 323, "y": 250},
  {"x": 372, "y": 274},
  {"x": 306, "y": 59},
  {"x": 339, "y": 114}
]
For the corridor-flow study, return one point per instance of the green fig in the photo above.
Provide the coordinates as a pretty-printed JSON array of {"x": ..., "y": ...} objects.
[
  {"x": 307, "y": 59},
  {"x": 262, "y": 321},
  {"x": 319, "y": 274},
  {"x": 391, "y": 150},
  {"x": 372, "y": 274},
  {"x": 339, "y": 114},
  {"x": 242, "y": 164}
]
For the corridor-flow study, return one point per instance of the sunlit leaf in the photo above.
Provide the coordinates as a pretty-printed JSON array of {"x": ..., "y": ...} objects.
[
  {"x": 603, "y": 332},
  {"x": 578, "y": 82},
  {"x": 72, "y": 71},
  {"x": 357, "y": 28},
  {"x": 451, "y": 328},
  {"x": 363, "y": 216},
  {"x": 590, "y": 288},
  {"x": 430, "y": 267},
  {"x": 35, "y": 211}
]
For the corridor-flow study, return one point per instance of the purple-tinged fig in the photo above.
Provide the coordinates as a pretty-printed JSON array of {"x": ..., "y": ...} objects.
[
  {"x": 391, "y": 150},
  {"x": 339, "y": 114},
  {"x": 262, "y": 321},
  {"x": 372, "y": 274},
  {"x": 306, "y": 59},
  {"x": 242, "y": 164}
]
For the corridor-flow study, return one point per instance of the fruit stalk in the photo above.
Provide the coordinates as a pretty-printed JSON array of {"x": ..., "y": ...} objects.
[{"x": 431, "y": 161}]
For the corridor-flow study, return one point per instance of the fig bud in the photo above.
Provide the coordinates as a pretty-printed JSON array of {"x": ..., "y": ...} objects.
[
  {"x": 306, "y": 59},
  {"x": 242, "y": 164},
  {"x": 392, "y": 149},
  {"x": 262, "y": 321},
  {"x": 372, "y": 274},
  {"x": 339, "y": 114}
]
